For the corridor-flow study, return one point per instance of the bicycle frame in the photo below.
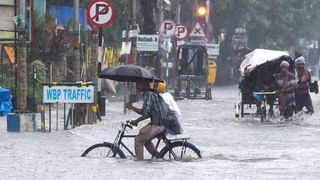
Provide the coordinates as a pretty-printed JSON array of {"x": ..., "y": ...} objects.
[
  {"x": 176, "y": 147},
  {"x": 121, "y": 134}
]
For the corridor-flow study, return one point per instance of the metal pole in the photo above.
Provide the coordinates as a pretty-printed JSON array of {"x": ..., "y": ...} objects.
[
  {"x": 100, "y": 100},
  {"x": 76, "y": 63},
  {"x": 72, "y": 116},
  {"x": 125, "y": 90},
  {"x": 49, "y": 117},
  {"x": 50, "y": 80},
  {"x": 167, "y": 70},
  {"x": 64, "y": 116},
  {"x": 179, "y": 12},
  {"x": 57, "y": 113}
]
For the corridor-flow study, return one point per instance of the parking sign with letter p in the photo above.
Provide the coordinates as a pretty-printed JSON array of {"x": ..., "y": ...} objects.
[{"x": 100, "y": 13}]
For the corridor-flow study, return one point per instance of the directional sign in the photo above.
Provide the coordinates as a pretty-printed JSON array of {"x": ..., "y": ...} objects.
[
  {"x": 167, "y": 28},
  {"x": 197, "y": 31},
  {"x": 181, "y": 32},
  {"x": 100, "y": 13}
]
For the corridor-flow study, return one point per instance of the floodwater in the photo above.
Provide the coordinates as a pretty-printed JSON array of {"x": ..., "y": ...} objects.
[{"x": 231, "y": 148}]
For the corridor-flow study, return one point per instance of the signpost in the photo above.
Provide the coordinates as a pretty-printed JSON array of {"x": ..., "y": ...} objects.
[
  {"x": 100, "y": 13},
  {"x": 167, "y": 30}
]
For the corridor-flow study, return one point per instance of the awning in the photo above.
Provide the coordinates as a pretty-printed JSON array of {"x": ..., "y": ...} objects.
[{"x": 10, "y": 53}]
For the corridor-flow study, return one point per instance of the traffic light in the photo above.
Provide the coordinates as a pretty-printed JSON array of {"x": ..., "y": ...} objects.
[{"x": 201, "y": 11}]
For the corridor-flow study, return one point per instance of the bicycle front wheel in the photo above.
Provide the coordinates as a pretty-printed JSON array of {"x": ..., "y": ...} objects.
[
  {"x": 180, "y": 151},
  {"x": 104, "y": 150}
]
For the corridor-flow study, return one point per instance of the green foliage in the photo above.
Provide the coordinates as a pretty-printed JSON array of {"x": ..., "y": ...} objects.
[
  {"x": 7, "y": 77},
  {"x": 276, "y": 24}
]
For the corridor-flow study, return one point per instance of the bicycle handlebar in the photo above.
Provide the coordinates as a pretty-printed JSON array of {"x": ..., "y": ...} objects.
[
  {"x": 265, "y": 92},
  {"x": 128, "y": 124}
]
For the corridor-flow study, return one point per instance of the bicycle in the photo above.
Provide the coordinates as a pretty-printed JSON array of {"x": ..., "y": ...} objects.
[{"x": 178, "y": 149}]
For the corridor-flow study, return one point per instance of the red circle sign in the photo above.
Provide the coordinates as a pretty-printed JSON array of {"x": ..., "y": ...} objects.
[
  {"x": 100, "y": 13},
  {"x": 181, "y": 32}
]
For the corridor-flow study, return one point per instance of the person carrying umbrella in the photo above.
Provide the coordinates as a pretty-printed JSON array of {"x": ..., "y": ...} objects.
[
  {"x": 285, "y": 81},
  {"x": 153, "y": 106},
  {"x": 302, "y": 91},
  {"x": 150, "y": 109}
]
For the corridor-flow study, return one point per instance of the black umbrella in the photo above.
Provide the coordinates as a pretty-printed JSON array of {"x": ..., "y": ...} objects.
[{"x": 128, "y": 73}]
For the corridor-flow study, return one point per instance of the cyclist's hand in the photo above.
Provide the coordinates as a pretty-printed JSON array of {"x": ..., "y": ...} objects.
[
  {"x": 129, "y": 105},
  {"x": 134, "y": 122}
]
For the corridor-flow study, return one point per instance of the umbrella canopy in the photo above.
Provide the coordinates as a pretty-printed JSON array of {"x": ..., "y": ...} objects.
[
  {"x": 258, "y": 57},
  {"x": 129, "y": 73}
]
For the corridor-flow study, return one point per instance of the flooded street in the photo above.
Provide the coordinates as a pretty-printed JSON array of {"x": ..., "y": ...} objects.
[{"x": 231, "y": 148}]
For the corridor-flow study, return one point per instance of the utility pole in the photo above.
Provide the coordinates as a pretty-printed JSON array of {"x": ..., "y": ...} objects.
[
  {"x": 135, "y": 27},
  {"x": 178, "y": 12},
  {"x": 210, "y": 20},
  {"x": 22, "y": 60},
  {"x": 76, "y": 42}
]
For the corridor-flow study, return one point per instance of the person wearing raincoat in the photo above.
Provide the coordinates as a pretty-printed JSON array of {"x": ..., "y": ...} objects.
[{"x": 285, "y": 82}]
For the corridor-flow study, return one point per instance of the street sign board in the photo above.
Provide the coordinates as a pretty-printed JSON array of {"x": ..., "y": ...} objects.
[
  {"x": 213, "y": 49},
  {"x": 167, "y": 28},
  {"x": 132, "y": 33},
  {"x": 126, "y": 48},
  {"x": 197, "y": 31},
  {"x": 147, "y": 42},
  {"x": 181, "y": 32},
  {"x": 100, "y": 13},
  {"x": 68, "y": 94}
]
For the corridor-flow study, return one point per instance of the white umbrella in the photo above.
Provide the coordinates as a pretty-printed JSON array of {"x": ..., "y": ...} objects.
[{"x": 258, "y": 57}]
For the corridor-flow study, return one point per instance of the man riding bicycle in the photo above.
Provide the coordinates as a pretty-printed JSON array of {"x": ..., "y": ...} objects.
[{"x": 150, "y": 109}]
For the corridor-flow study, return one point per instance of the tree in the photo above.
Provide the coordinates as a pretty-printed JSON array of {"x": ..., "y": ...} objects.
[{"x": 270, "y": 24}]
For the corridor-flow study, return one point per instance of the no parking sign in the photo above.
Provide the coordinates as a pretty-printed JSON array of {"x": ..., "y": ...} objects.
[{"x": 100, "y": 13}]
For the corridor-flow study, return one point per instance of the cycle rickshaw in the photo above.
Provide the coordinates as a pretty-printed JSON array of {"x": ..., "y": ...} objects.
[{"x": 258, "y": 65}]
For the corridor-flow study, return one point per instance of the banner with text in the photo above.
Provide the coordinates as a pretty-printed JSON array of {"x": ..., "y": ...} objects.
[{"x": 68, "y": 94}]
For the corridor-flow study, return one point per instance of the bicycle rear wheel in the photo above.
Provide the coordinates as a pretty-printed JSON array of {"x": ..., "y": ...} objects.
[
  {"x": 180, "y": 151},
  {"x": 104, "y": 150}
]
